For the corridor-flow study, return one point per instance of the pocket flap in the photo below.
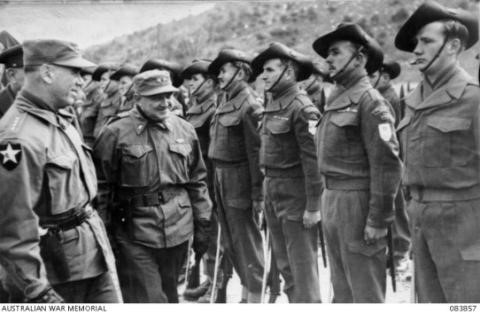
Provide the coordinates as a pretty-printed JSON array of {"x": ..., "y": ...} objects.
[
  {"x": 277, "y": 126},
  {"x": 344, "y": 119},
  {"x": 229, "y": 120},
  {"x": 136, "y": 151},
  {"x": 449, "y": 124},
  {"x": 183, "y": 149},
  {"x": 63, "y": 161}
]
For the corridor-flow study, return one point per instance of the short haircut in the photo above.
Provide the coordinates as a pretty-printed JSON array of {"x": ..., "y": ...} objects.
[
  {"x": 454, "y": 29},
  {"x": 294, "y": 65},
  {"x": 245, "y": 67}
]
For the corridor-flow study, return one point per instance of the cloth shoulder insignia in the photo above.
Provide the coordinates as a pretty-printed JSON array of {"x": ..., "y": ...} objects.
[{"x": 10, "y": 155}]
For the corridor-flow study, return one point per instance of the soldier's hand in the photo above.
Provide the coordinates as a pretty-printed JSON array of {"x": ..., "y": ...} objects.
[
  {"x": 372, "y": 235},
  {"x": 310, "y": 219},
  {"x": 47, "y": 296},
  {"x": 201, "y": 237}
]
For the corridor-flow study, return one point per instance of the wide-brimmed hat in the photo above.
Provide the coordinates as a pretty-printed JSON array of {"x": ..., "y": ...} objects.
[
  {"x": 356, "y": 34},
  {"x": 125, "y": 70},
  {"x": 153, "y": 82},
  {"x": 225, "y": 56},
  {"x": 278, "y": 50},
  {"x": 430, "y": 12},
  {"x": 58, "y": 52},
  {"x": 197, "y": 66},
  {"x": 161, "y": 64},
  {"x": 12, "y": 57},
  {"x": 392, "y": 68}
]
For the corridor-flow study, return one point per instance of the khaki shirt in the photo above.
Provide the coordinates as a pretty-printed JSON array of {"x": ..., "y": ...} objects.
[
  {"x": 288, "y": 126},
  {"x": 45, "y": 172},
  {"x": 357, "y": 145},
  {"x": 137, "y": 158},
  {"x": 440, "y": 135}
]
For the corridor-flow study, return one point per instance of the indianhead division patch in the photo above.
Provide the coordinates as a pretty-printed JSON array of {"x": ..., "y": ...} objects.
[{"x": 10, "y": 155}]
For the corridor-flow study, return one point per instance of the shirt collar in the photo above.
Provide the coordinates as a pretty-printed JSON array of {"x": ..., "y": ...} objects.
[{"x": 141, "y": 120}]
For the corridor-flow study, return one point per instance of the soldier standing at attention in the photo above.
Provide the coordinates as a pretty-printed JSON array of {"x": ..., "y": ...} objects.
[
  {"x": 203, "y": 103},
  {"x": 358, "y": 159},
  {"x": 124, "y": 75},
  {"x": 53, "y": 244},
  {"x": 110, "y": 105},
  {"x": 440, "y": 140},
  {"x": 234, "y": 150},
  {"x": 292, "y": 184},
  {"x": 12, "y": 59},
  {"x": 152, "y": 168}
]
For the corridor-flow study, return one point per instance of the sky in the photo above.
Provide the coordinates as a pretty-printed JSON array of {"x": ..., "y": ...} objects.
[{"x": 90, "y": 24}]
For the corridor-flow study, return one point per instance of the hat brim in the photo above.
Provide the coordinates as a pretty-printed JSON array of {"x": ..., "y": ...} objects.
[
  {"x": 428, "y": 13},
  {"x": 159, "y": 90},
  {"x": 375, "y": 55},
  {"x": 77, "y": 62},
  {"x": 305, "y": 68}
]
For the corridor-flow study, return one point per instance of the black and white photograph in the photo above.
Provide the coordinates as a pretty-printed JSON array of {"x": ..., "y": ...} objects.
[{"x": 212, "y": 152}]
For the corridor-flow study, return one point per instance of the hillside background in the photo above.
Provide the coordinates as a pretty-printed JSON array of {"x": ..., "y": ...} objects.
[{"x": 251, "y": 26}]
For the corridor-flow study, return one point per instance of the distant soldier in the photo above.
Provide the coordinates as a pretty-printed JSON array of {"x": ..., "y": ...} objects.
[
  {"x": 358, "y": 159},
  {"x": 151, "y": 164},
  {"x": 52, "y": 242},
  {"x": 203, "y": 103},
  {"x": 175, "y": 71},
  {"x": 381, "y": 80},
  {"x": 315, "y": 86},
  {"x": 94, "y": 95},
  {"x": 110, "y": 105},
  {"x": 292, "y": 184},
  {"x": 12, "y": 59},
  {"x": 440, "y": 138},
  {"x": 124, "y": 75},
  {"x": 234, "y": 150}
]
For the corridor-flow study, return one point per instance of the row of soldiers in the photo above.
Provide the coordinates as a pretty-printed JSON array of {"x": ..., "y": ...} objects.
[{"x": 165, "y": 182}]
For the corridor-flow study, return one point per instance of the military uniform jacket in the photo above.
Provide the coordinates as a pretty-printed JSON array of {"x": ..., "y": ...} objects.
[
  {"x": 88, "y": 116},
  {"x": 317, "y": 96},
  {"x": 7, "y": 96},
  {"x": 45, "y": 173},
  {"x": 156, "y": 177},
  {"x": 288, "y": 126},
  {"x": 440, "y": 137},
  {"x": 200, "y": 115},
  {"x": 234, "y": 136},
  {"x": 109, "y": 108},
  {"x": 391, "y": 96},
  {"x": 358, "y": 149}
]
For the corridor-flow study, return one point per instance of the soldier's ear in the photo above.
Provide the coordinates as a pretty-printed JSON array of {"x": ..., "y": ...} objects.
[
  {"x": 454, "y": 46},
  {"x": 47, "y": 73}
]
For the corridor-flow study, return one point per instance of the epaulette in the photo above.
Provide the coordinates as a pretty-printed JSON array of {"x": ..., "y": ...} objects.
[
  {"x": 374, "y": 93},
  {"x": 15, "y": 124}
]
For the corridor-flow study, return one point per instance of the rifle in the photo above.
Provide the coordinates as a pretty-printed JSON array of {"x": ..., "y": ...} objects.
[
  {"x": 391, "y": 261},
  {"x": 322, "y": 243},
  {"x": 194, "y": 278},
  {"x": 273, "y": 279}
]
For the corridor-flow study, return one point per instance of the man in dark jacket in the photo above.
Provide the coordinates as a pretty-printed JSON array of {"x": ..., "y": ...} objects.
[{"x": 12, "y": 59}]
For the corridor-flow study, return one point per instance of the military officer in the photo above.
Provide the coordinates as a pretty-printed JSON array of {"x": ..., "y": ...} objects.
[
  {"x": 381, "y": 80},
  {"x": 175, "y": 71},
  {"x": 203, "y": 103},
  {"x": 110, "y": 105},
  {"x": 234, "y": 147},
  {"x": 124, "y": 75},
  {"x": 358, "y": 159},
  {"x": 52, "y": 242},
  {"x": 292, "y": 184},
  {"x": 440, "y": 140},
  {"x": 152, "y": 164},
  {"x": 12, "y": 59}
]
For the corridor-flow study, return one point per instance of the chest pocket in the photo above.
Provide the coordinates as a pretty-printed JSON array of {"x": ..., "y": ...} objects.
[
  {"x": 276, "y": 135},
  {"x": 137, "y": 165},
  {"x": 447, "y": 142},
  {"x": 229, "y": 135},
  {"x": 63, "y": 181},
  {"x": 343, "y": 134}
]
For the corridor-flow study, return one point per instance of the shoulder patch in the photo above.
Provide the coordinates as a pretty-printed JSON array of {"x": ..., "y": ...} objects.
[{"x": 10, "y": 155}]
